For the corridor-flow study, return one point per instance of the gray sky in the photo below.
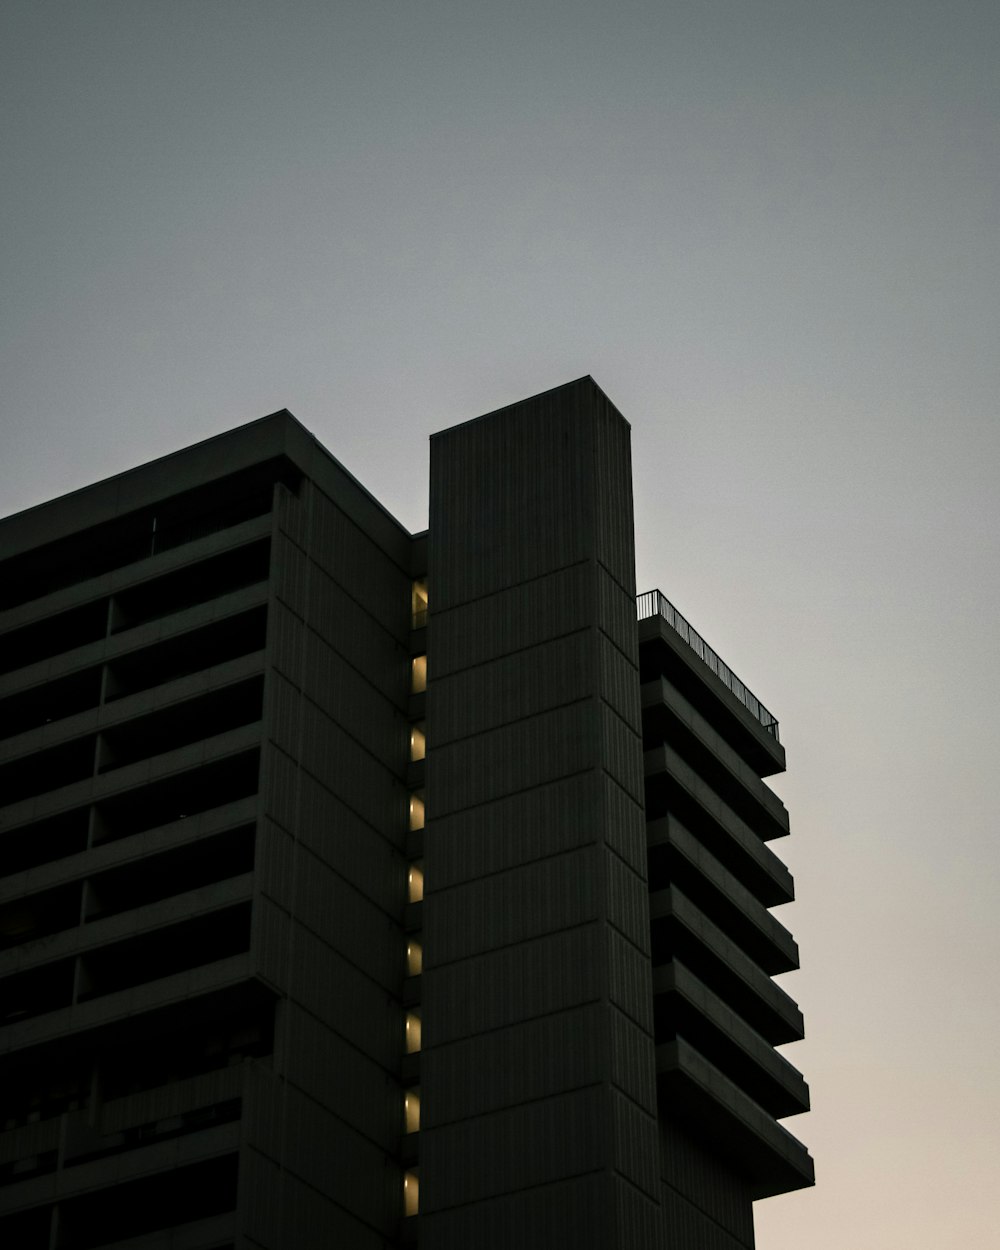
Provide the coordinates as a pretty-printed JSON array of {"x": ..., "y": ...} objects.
[{"x": 770, "y": 231}]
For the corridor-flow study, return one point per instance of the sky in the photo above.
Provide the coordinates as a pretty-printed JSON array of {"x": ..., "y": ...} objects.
[{"x": 769, "y": 229}]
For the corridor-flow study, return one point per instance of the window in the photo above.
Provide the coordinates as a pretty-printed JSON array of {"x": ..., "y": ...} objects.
[
  {"x": 416, "y": 810},
  {"x": 415, "y": 883},
  {"x": 411, "y": 1193},
  {"x": 419, "y": 602},
  {"x": 411, "y": 1110},
  {"x": 414, "y": 958}
]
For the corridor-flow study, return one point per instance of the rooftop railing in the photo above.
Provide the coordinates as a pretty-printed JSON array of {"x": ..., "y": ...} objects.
[{"x": 653, "y": 603}]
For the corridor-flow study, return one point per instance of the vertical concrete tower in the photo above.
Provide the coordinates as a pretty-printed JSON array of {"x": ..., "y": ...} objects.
[{"x": 538, "y": 1064}]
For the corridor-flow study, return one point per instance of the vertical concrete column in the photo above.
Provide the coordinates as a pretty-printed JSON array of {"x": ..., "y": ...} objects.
[{"x": 537, "y": 1072}]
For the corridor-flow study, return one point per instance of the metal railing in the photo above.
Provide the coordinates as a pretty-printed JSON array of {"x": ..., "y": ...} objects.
[{"x": 653, "y": 603}]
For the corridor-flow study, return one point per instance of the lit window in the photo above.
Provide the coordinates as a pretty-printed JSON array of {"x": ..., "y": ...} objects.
[
  {"x": 411, "y": 1110},
  {"x": 418, "y": 741},
  {"x": 416, "y": 883},
  {"x": 419, "y": 602},
  {"x": 412, "y": 1032},
  {"x": 411, "y": 1193},
  {"x": 414, "y": 958},
  {"x": 418, "y": 683},
  {"x": 417, "y": 810}
]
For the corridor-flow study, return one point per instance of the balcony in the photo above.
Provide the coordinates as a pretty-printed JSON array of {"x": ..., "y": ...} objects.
[
  {"x": 712, "y": 1107},
  {"x": 654, "y": 604}
]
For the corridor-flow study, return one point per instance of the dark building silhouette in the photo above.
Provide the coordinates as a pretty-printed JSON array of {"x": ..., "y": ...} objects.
[{"x": 364, "y": 889}]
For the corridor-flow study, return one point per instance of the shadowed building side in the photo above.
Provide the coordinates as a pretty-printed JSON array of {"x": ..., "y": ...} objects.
[
  {"x": 538, "y": 1057},
  {"x": 377, "y": 889}
]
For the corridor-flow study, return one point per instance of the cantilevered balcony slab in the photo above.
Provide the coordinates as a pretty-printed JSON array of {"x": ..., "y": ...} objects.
[
  {"x": 148, "y": 634},
  {"x": 668, "y": 717},
  {"x": 686, "y": 1007},
  {"x": 129, "y": 850},
  {"x": 120, "y": 780},
  {"x": 680, "y": 859},
  {"x": 136, "y": 573},
  {"x": 122, "y": 1005},
  {"x": 667, "y": 771},
  {"x": 141, "y": 1161},
  {"x": 663, "y": 650},
  {"x": 112, "y": 715},
  {"x": 696, "y": 1093},
  {"x": 680, "y": 930},
  {"x": 124, "y": 925}
]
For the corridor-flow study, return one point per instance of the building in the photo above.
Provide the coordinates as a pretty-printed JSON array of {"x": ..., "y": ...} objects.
[{"x": 369, "y": 889}]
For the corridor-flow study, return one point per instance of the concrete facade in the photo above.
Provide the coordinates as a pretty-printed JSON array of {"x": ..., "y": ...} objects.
[{"x": 373, "y": 889}]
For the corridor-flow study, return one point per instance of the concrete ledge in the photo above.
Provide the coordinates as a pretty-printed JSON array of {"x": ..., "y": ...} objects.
[
  {"x": 106, "y": 650},
  {"x": 710, "y": 1106},
  {"x": 753, "y": 1064},
  {"x": 736, "y": 722},
  {"x": 139, "y": 846},
  {"x": 117, "y": 1169},
  {"x": 98, "y": 1012},
  {"x": 748, "y": 990},
  {"x": 134, "y": 574},
  {"x": 131, "y": 776},
  {"x": 120, "y": 711},
  {"x": 127, "y": 924},
  {"x": 731, "y": 904},
  {"x": 668, "y": 711},
  {"x": 208, "y": 1234}
]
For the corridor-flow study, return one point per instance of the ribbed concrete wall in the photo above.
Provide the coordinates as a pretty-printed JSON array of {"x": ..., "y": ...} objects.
[
  {"x": 537, "y": 1072},
  {"x": 321, "y": 1134}
]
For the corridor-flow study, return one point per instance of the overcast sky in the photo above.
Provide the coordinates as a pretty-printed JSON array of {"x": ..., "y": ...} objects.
[{"x": 771, "y": 233}]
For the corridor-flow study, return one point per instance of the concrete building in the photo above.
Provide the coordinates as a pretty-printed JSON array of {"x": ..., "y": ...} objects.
[{"x": 368, "y": 889}]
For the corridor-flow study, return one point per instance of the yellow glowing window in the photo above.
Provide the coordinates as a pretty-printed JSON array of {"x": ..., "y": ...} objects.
[
  {"x": 414, "y": 958},
  {"x": 415, "y": 883},
  {"x": 412, "y": 1032},
  {"x": 411, "y": 1193},
  {"x": 418, "y": 741},
  {"x": 411, "y": 1110},
  {"x": 418, "y": 682},
  {"x": 417, "y": 809},
  {"x": 419, "y": 602}
]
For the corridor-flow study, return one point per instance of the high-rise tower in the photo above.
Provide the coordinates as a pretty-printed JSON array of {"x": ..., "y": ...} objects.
[{"x": 367, "y": 888}]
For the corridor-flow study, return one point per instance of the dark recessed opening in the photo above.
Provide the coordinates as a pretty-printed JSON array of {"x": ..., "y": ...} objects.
[
  {"x": 181, "y": 724},
  {"x": 43, "y": 841},
  {"x": 190, "y": 653},
  {"x": 124, "y": 540},
  {"x": 174, "y": 872},
  {"x": 178, "y": 797},
  {"x": 133, "y": 1208},
  {"x": 194, "y": 584},
  {"x": 38, "y": 915},
  {"x": 53, "y": 636},
  {"x": 164, "y": 952},
  {"x": 41, "y": 705},
  {"x": 47, "y": 770},
  {"x": 32, "y": 993}
]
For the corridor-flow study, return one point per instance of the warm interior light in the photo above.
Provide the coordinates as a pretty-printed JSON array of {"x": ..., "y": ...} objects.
[
  {"x": 418, "y": 741},
  {"x": 411, "y": 1110},
  {"x": 412, "y": 1032},
  {"x": 411, "y": 1193},
  {"x": 417, "y": 810},
  {"x": 419, "y": 602},
  {"x": 416, "y": 883},
  {"x": 414, "y": 958},
  {"x": 418, "y": 683}
]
